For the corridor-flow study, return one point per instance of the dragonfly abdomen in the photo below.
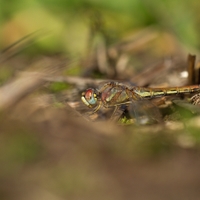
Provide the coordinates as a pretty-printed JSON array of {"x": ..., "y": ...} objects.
[{"x": 159, "y": 92}]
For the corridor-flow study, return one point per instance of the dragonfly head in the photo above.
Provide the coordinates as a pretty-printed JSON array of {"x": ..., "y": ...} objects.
[{"x": 90, "y": 97}]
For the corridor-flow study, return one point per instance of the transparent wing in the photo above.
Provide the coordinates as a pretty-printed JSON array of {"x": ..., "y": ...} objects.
[{"x": 145, "y": 112}]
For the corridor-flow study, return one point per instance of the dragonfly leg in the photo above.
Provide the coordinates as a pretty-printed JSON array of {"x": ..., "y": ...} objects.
[
  {"x": 91, "y": 115},
  {"x": 97, "y": 108},
  {"x": 117, "y": 113}
]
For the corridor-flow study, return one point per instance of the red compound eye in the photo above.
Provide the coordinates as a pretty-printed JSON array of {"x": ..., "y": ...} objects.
[{"x": 89, "y": 94}]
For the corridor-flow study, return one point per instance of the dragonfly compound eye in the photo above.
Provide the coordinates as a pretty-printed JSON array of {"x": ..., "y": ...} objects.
[{"x": 89, "y": 97}]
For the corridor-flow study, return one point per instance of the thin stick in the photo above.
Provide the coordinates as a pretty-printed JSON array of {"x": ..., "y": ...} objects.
[
  {"x": 197, "y": 73},
  {"x": 191, "y": 71}
]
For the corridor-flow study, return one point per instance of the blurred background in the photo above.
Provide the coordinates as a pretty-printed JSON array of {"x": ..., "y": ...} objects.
[
  {"x": 46, "y": 152},
  {"x": 70, "y": 24},
  {"x": 148, "y": 31}
]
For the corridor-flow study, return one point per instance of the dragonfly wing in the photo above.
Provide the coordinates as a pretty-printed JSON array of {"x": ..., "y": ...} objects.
[
  {"x": 192, "y": 108},
  {"x": 145, "y": 112}
]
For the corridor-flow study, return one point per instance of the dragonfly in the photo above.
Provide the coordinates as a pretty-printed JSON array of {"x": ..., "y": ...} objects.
[{"x": 115, "y": 94}]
